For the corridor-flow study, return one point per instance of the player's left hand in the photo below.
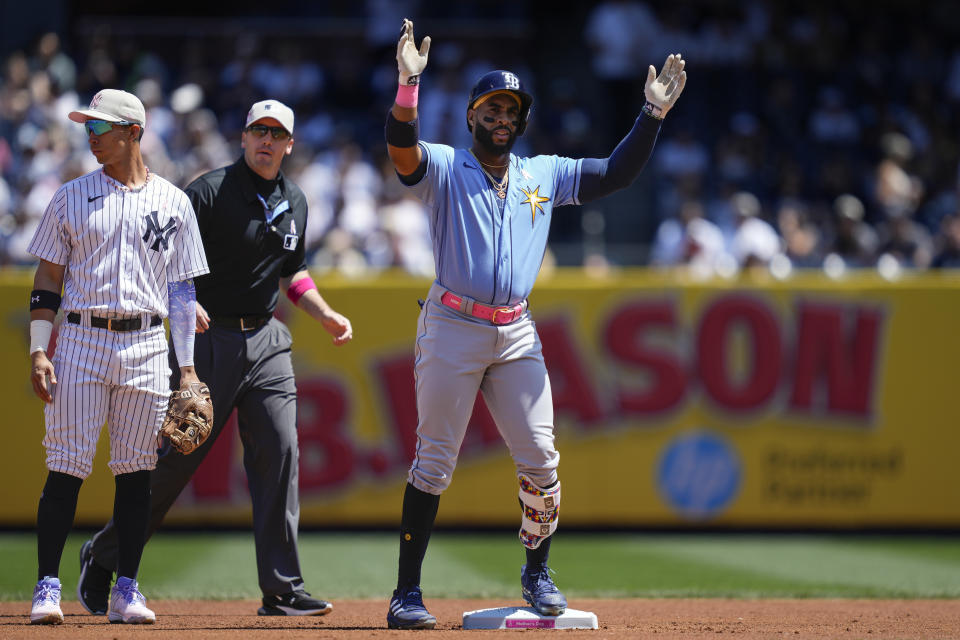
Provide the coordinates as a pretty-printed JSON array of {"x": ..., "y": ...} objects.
[
  {"x": 338, "y": 326},
  {"x": 662, "y": 91}
]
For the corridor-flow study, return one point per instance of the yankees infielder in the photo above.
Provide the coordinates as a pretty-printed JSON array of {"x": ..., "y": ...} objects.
[
  {"x": 490, "y": 212},
  {"x": 122, "y": 244}
]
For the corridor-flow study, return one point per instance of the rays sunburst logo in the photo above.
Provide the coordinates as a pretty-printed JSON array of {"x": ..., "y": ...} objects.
[{"x": 534, "y": 199}]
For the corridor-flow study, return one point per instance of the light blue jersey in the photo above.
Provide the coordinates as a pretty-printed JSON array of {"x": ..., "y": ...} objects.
[{"x": 484, "y": 247}]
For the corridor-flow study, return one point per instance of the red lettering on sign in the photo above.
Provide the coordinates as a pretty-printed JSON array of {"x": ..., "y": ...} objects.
[
  {"x": 326, "y": 452},
  {"x": 396, "y": 377},
  {"x": 624, "y": 339},
  {"x": 482, "y": 430},
  {"x": 837, "y": 354},
  {"x": 713, "y": 352},
  {"x": 572, "y": 388},
  {"x": 213, "y": 479}
]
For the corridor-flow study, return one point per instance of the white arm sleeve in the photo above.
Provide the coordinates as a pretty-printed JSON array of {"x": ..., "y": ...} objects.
[{"x": 183, "y": 319}]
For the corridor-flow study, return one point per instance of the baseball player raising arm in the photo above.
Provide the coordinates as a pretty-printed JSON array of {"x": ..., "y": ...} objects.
[
  {"x": 490, "y": 212},
  {"x": 122, "y": 245},
  {"x": 252, "y": 220}
]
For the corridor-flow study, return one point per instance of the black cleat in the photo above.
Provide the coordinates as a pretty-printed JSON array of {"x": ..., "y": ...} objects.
[
  {"x": 295, "y": 603},
  {"x": 93, "y": 587}
]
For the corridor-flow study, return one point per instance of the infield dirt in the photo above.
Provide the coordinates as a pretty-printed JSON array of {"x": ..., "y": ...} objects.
[{"x": 627, "y": 618}]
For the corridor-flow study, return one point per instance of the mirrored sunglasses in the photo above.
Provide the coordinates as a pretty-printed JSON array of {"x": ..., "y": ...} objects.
[
  {"x": 100, "y": 127},
  {"x": 260, "y": 130}
]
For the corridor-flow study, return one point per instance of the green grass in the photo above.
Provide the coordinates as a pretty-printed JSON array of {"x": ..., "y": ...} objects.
[{"x": 221, "y": 566}]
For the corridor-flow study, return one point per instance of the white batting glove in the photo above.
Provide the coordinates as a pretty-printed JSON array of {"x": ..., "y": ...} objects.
[
  {"x": 411, "y": 62},
  {"x": 662, "y": 91}
]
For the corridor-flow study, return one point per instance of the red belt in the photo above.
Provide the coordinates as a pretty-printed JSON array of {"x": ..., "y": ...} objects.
[{"x": 494, "y": 315}]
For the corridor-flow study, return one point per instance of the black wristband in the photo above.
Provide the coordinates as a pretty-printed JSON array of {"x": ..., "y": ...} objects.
[
  {"x": 401, "y": 134},
  {"x": 653, "y": 111},
  {"x": 43, "y": 299}
]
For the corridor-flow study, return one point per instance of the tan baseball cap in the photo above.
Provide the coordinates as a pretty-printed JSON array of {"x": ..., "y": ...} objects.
[
  {"x": 271, "y": 109},
  {"x": 112, "y": 105}
]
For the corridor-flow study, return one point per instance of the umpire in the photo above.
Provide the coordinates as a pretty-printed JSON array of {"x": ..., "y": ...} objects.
[{"x": 252, "y": 221}]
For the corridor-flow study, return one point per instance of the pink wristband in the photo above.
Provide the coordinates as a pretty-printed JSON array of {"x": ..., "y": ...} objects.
[
  {"x": 296, "y": 290},
  {"x": 407, "y": 95}
]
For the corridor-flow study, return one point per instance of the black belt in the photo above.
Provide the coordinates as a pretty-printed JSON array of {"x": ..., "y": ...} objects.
[
  {"x": 243, "y": 323},
  {"x": 115, "y": 324}
]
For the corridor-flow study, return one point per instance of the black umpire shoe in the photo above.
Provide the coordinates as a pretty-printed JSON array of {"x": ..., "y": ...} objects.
[
  {"x": 93, "y": 587},
  {"x": 295, "y": 603}
]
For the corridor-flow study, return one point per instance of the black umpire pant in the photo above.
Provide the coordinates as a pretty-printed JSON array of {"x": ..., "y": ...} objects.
[{"x": 253, "y": 372}]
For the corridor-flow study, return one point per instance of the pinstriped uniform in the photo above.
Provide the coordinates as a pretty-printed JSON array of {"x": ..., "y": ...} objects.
[{"x": 120, "y": 248}]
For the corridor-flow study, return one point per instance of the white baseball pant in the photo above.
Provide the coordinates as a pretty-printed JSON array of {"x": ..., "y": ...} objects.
[{"x": 121, "y": 378}]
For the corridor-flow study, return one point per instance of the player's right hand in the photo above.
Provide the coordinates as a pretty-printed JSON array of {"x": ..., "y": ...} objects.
[
  {"x": 410, "y": 61},
  {"x": 42, "y": 376}
]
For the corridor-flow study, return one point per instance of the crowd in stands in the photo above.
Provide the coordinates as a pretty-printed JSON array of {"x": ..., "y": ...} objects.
[{"x": 809, "y": 136}]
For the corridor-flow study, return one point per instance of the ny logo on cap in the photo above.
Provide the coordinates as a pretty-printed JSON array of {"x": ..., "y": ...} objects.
[
  {"x": 96, "y": 100},
  {"x": 266, "y": 107}
]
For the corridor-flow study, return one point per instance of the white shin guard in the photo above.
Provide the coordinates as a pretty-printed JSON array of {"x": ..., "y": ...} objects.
[{"x": 541, "y": 510}]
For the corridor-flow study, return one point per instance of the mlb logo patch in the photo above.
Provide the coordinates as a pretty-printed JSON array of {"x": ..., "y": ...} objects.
[{"x": 290, "y": 242}]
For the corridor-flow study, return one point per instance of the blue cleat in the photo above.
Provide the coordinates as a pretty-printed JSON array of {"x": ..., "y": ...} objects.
[
  {"x": 127, "y": 604},
  {"x": 407, "y": 610},
  {"x": 540, "y": 591},
  {"x": 46, "y": 602}
]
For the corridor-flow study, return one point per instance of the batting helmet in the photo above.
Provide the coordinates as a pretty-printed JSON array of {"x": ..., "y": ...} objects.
[{"x": 497, "y": 81}]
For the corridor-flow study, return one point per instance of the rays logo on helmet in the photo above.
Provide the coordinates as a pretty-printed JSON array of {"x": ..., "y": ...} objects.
[{"x": 502, "y": 80}]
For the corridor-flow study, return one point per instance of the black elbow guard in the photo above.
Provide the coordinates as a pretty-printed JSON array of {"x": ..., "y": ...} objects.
[
  {"x": 43, "y": 299},
  {"x": 401, "y": 134}
]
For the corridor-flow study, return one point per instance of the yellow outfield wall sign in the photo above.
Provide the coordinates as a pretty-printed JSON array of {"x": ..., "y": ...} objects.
[{"x": 810, "y": 403}]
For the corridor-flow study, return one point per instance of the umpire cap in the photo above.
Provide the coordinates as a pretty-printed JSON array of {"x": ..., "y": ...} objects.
[{"x": 501, "y": 81}]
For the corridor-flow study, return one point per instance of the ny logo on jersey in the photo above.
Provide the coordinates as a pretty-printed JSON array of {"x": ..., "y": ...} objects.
[
  {"x": 161, "y": 235},
  {"x": 511, "y": 81}
]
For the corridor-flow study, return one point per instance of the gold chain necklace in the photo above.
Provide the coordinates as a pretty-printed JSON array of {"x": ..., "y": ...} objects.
[{"x": 499, "y": 186}]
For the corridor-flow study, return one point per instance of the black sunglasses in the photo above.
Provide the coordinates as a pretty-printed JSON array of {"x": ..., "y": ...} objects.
[{"x": 260, "y": 130}]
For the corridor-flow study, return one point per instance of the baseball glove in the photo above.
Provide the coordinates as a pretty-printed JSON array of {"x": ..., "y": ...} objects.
[{"x": 189, "y": 418}]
